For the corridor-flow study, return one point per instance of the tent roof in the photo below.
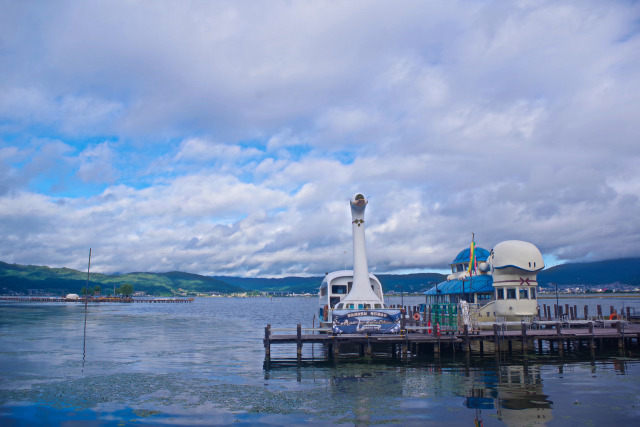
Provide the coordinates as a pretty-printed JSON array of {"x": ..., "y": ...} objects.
[{"x": 482, "y": 283}]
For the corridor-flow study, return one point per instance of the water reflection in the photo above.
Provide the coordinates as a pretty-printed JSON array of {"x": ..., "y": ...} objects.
[
  {"x": 518, "y": 396},
  {"x": 511, "y": 393}
]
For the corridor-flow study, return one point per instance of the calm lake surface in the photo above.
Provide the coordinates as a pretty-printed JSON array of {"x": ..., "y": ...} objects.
[{"x": 203, "y": 364}]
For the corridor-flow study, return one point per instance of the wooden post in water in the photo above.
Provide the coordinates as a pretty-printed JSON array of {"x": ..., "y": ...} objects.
[
  {"x": 496, "y": 338},
  {"x": 299, "y": 339},
  {"x": 586, "y": 312},
  {"x": 524, "y": 337},
  {"x": 559, "y": 333},
  {"x": 599, "y": 307},
  {"x": 267, "y": 340},
  {"x": 621, "y": 332},
  {"x": 591, "y": 340},
  {"x": 466, "y": 338}
]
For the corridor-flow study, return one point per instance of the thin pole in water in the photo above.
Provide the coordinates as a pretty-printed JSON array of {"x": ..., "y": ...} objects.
[{"x": 86, "y": 299}]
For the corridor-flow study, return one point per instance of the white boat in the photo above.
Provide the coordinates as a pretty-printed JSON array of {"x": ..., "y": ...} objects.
[
  {"x": 501, "y": 287},
  {"x": 352, "y": 301}
]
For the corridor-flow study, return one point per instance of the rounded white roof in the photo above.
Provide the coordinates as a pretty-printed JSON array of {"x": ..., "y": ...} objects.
[{"x": 519, "y": 254}]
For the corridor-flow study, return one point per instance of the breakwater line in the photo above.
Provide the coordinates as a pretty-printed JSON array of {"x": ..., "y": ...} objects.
[{"x": 101, "y": 300}]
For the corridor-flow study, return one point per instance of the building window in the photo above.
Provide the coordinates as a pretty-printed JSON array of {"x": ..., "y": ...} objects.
[
  {"x": 523, "y": 293},
  {"x": 532, "y": 292},
  {"x": 511, "y": 293},
  {"x": 499, "y": 293}
]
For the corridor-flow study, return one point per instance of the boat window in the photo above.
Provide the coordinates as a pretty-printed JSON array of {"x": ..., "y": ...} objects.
[
  {"x": 511, "y": 293},
  {"x": 532, "y": 292},
  {"x": 339, "y": 306},
  {"x": 333, "y": 301},
  {"x": 523, "y": 293},
  {"x": 499, "y": 293},
  {"x": 339, "y": 289},
  {"x": 323, "y": 291},
  {"x": 484, "y": 297},
  {"x": 378, "y": 306},
  {"x": 349, "y": 286},
  {"x": 360, "y": 306},
  {"x": 349, "y": 305}
]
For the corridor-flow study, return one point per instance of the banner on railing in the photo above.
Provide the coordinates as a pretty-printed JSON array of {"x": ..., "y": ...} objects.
[{"x": 384, "y": 321}]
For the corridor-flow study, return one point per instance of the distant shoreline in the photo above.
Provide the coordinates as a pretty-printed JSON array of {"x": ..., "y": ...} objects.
[{"x": 586, "y": 296}]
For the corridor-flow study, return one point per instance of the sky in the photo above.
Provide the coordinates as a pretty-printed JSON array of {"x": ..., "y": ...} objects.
[{"x": 226, "y": 137}]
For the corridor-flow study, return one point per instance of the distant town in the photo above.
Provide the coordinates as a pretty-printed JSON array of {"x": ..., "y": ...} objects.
[{"x": 618, "y": 288}]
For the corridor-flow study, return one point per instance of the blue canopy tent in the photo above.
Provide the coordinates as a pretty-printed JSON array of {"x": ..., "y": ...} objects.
[
  {"x": 477, "y": 284},
  {"x": 454, "y": 290}
]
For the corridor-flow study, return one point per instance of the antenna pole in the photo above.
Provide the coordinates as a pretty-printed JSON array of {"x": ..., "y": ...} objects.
[{"x": 86, "y": 299}]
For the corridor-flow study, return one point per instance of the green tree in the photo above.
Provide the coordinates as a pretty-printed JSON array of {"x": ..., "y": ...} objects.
[
  {"x": 97, "y": 289},
  {"x": 126, "y": 290},
  {"x": 83, "y": 291}
]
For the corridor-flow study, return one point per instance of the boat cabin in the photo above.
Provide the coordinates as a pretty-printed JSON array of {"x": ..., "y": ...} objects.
[
  {"x": 336, "y": 286},
  {"x": 503, "y": 282}
]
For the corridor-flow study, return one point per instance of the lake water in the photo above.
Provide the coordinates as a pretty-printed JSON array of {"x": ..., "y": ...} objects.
[{"x": 203, "y": 364}]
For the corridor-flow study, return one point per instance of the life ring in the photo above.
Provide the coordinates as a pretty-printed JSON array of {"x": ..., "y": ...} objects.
[
  {"x": 416, "y": 316},
  {"x": 613, "y": 316}
]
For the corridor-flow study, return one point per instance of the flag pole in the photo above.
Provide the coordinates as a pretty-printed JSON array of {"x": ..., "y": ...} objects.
[{"x": 472, "y": 257}]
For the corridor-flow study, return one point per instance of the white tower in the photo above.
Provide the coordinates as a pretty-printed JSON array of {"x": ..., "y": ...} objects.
[{"x": 361, "y": 292}]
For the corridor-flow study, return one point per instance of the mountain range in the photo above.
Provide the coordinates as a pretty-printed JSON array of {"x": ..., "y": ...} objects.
[{"x": 30, "y": 279}]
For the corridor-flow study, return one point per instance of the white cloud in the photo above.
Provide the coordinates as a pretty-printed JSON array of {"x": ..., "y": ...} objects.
[
  {"x": 235, "y": 132},
  {"x": 96, "y": 164}
]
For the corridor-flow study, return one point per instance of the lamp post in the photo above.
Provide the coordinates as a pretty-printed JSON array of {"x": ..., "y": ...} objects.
[
  {"x": 401, "y": 295},
  {"x": 557, "y": 301}
]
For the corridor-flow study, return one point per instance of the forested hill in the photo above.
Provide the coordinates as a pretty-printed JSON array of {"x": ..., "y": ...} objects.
[
  {"x": 624, "y": 270},
  {"x": 20, "y": 279},
  {"x": 390, "y": 282}
]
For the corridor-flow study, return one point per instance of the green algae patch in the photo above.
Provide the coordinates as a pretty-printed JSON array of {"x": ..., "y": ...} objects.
[{"x": 145, "y": 413}]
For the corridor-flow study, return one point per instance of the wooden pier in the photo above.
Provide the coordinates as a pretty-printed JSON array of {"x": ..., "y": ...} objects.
[
  {"x": 100, "y": 299},
  {"x": 420, "y": 337},
  {"x": 415, "y": 340}
]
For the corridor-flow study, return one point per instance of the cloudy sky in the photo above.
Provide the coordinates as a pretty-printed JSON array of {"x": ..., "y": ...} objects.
[{"x": 225, "y": 137}]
